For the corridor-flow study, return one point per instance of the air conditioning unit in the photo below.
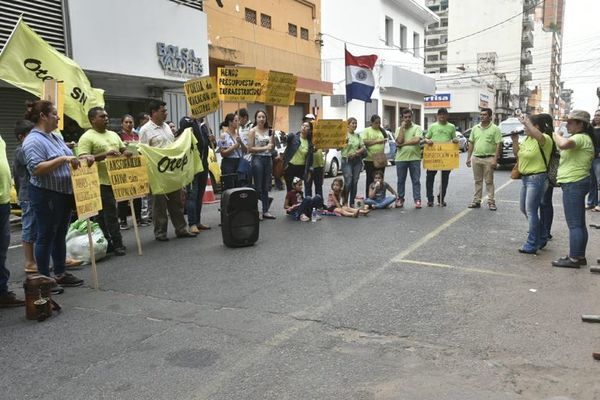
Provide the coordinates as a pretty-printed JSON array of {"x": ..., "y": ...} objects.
[{"x": 338, "y": 100}]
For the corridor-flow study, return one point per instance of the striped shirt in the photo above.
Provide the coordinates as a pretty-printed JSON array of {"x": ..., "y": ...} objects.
[{"x": 39, "y": 147}]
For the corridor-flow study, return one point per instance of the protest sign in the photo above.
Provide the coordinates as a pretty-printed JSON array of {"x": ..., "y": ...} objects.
[
  {"x": 279, "y": 90},
  {"x": 440, "y": 156},
  {"x": 128, "y": 177},
  {"x": 55, "y": 92},
  {"x": 237, "y": 84},
  {"x": 201, "y": 95},
  {"x": 329, "y": 133},
  {"x": 86, "y": 189}
]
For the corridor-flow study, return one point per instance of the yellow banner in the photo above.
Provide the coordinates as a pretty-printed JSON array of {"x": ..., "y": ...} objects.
[
  {"x": 329, "y": 133},
  {"x": 440, "y": 156},
  {"x": 240, "y": 85},
  {"x": 280, "y": 89},
  {"x": 201, "y": 95},
  {"x": 86, "y": 188},
  {"x": 27, "y": 61},
  {"x": 128, "y": 177}
]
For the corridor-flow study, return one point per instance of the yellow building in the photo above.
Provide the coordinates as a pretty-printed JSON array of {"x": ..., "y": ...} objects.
[{"x": 278, "y": 35}]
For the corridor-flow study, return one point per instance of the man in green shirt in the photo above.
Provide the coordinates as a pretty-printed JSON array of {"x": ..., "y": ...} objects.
[
  {"x": 485, "y": 143},
  {"x": 408, "y": 158},
  {"x": 7, "y": 299},
  {"x": 102, "y": 143},
  {"x": 440, "y": 132}
]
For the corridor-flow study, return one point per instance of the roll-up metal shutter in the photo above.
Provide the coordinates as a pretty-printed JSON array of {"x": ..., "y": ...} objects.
[{"x": 13, "y": 109}]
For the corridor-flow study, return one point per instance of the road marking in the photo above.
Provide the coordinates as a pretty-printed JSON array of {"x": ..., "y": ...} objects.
[{"x": 476, "y": 270}]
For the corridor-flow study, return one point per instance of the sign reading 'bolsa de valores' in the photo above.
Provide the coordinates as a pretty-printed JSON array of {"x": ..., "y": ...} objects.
[
  {"x": 86, "y": 189},
  {"x": 201, "y": 95},
  {"x": 128, "y": 177},
  {"x": 329, "y": 133},
  {"x": 440, "y": 156}
]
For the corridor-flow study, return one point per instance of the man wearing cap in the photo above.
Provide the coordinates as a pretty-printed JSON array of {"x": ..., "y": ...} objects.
[
  {"x": 576, "y": 156},
  {"x": 485, "y": 143}
]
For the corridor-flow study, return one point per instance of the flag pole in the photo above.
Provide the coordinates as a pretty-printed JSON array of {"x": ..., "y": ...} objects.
[
  {"x": 11, "y": 34},
  {"x": 345, "y": 83}
]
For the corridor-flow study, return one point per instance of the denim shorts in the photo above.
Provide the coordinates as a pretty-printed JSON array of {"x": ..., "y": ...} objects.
[{"x": 29, "y": 233}]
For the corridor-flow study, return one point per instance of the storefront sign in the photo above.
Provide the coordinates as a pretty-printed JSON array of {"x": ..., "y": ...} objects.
[
  {"x": 86, "y": 189},
  {"x": 438, "y": 100},
  {"x": 440, "y": 156},
  {"x": 484, "y": 100},
  {"x": 128, "y": 177},
  {"x": 280, "y": 89},
  {"x": 201, "y": 95},
  {"x": 329, "y": 133},
  {"x": 240, "y": 85},
  {"x": 179, "y": 62}
]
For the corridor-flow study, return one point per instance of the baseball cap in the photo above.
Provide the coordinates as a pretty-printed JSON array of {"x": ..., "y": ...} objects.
[
  {"x": 310, "y": 116},
  {"x": 579, "y": 115}
]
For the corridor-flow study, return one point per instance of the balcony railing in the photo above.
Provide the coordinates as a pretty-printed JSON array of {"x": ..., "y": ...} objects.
[
  {"x": 528, "y": 23},
  {"x": 527, "y": 39},
  {"x": 526, "y": 58},
  {"x": 526, "y": 75}
]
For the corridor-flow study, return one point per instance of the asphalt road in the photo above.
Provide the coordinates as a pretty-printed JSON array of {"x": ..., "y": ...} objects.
[{"x": 404, "y": 304}]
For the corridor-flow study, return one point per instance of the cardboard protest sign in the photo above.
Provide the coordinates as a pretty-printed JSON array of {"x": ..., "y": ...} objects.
[
  {"x": 240, "y": 85},
  {"x": 329, "y": 133},
  {"x": 128, "y": 177},
  {"x": 440, "y": 156},
  {"x": 86, "y": 189},
  {"x": 55, "y": 92},
  {"x": 279, "y": 90},
  {"x": 201, "y": 95}
]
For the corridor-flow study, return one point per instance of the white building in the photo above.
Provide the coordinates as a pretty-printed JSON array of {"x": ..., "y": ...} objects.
[{"x": 394, "y": 30}]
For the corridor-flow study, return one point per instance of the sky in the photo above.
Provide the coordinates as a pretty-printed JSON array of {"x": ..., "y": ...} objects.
[{"x": 581, "y": 42}]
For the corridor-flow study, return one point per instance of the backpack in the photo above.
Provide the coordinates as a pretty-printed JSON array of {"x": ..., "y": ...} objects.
[{"x": 552, "y": 164}]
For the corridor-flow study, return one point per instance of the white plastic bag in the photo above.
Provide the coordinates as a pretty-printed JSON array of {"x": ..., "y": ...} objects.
[{"x": 78, "y": 243}]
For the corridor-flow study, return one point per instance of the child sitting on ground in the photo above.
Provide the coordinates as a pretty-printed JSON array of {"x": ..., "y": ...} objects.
[
  {"x": 298, "y": 206},
  {"x": 335, "y": 201},
  {"x": 377, "y": 189}
]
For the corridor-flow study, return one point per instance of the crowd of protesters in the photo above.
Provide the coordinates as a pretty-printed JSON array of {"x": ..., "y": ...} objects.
[{"x": 252, "y": 155}]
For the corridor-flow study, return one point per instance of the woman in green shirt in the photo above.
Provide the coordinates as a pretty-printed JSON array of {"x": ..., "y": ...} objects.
[
  {"x": 352, "y": 160},
  {"x": 374, "y": 139},
  {"x": 577, "y": 152}
]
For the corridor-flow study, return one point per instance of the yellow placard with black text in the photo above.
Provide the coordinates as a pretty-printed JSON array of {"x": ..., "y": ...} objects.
[
  {"x": 202, "y": 96},
  {"x": 440, "y": 156},
  {"x": 279, "y": 90},
  {"x": 86, "y": 189},
  {"x": 128, "y": 177},
  {"x": 240, "y": 84},
  {"x": 329, "y": 133}
]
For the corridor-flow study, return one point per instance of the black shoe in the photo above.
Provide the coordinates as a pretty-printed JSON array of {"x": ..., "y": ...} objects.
[
  {"x": 474, "y": 205},
  {"x": 120, "y": 251},
  {"x": 523, "y": 251},
  {"x": 161, "y": 239},
  {"x": 69, "y": 280},
  {"x": 56, "y": 290},
  {"x": 567, "y": 262}
]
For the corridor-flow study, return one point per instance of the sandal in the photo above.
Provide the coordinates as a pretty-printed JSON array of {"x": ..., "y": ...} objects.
[{"x": 595, "y": 209}]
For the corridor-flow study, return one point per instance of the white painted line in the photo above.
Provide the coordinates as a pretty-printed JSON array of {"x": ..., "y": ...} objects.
[{"x": 465, "y": 269}]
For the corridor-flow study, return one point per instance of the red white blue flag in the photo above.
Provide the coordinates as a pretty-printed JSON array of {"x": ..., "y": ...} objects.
[{"x": 360, "y": 81}]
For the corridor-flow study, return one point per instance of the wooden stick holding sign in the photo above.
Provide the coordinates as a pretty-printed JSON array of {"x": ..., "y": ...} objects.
[
  {"x": 86, "y": 189},
  {"x": 129, "y": 180}
]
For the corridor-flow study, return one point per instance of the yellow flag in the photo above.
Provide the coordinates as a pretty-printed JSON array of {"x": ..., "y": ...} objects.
[{"x": 27, "y": 61}]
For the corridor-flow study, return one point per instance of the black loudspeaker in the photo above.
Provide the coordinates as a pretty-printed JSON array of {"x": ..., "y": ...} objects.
[{"x": 239, "y": 217}]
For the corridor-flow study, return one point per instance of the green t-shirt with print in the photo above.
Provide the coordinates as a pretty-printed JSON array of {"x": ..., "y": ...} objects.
[
  {"x": 410, "y": 152},
  {"x": 485, "y": 140},
  {"x": 575, "y": 163},
  {"x": 440, "y": 133},
  {"x": 530, "y": 155},
  {"x": 94, "y": 143},
  {"x": 373, "y": 134},
  {"x": 353, "y": 144},
  {"x": 4, "y": 175},
  {"x": 299, "y": 157},
  {"x": 318, "y": 159}
]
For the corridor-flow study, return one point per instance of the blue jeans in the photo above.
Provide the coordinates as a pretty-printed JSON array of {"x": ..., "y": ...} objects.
[
  {"x": 547, "y": 213},
  {"x": 28, "y": 225},
  {"x": 4, "y": 243},
  {"x": 195, "y": 193},
  {"x": 306, "y": 207},
  {"x": 383, "y": 203},
  {"x": 351, "y": 170},
  {"x": 574, "y": 207},
  {"x": 592, "y": 200},
  {"x": 414, "y": 167},
  {"x": 532, "y": 193},
  {"x": 52, "y": 212},
  {"x": 316, "y": 177},
  {"x": 262, "y": 168}
]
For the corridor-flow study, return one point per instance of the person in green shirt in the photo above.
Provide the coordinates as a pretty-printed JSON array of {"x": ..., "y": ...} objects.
[
  {"x": 408, "y": 158},
  {"x": 485, "y": 143},
  {"x": 374, "y": 138},
  {"x": 577, "y": 152},
  {"x": 441, "y": 131},
  {"x": 102, "y": 143},
  {"x": 352, "y": 160}
]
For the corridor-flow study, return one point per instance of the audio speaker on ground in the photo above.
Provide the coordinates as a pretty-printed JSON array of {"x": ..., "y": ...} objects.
[{"x": 239, "y": 217}]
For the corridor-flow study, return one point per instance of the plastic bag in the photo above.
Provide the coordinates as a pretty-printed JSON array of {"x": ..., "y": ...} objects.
[{"x": 78, "y": 243}]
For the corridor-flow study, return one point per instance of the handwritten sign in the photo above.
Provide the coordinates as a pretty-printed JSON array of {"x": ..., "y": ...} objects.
[
  {"x": 201, "y": 95},
  {"x": 86, "y": 189},
  {"x": 279, "y": 90},
  {"x": 329, "y": 133},
  {"x": 440, "y": 156},
  {"x": 241, "y": 85},
  {"x": 128, "y": 177}
]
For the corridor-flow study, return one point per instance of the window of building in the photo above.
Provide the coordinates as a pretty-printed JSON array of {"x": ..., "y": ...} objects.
[
  {"x": 304, "y": 33},
  {"x": 265, "y": 21},
  {"x": 293, "y": 30},
  {"x": 433, "y": 26},
  {"x": 443, "y": 70},
  {"x": 434, "y": 8},
  {"x": 443, "y": 5},
  {"x": 443, "y": 39},
  {"x": 251, "y": 16},
  {"x": 444, "y": 22},
  {"x": 443, "y": 55},
  {"x": 403, "y": 38},
  {"x": 433, "y": 42},
  {"x": 416, "y": 45},
  {"x": 389, "y": 31},
  {"x": 433, "y": 57}
]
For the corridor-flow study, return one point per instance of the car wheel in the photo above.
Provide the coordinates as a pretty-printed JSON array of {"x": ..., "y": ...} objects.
[{"x": 334, "y": 168}]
